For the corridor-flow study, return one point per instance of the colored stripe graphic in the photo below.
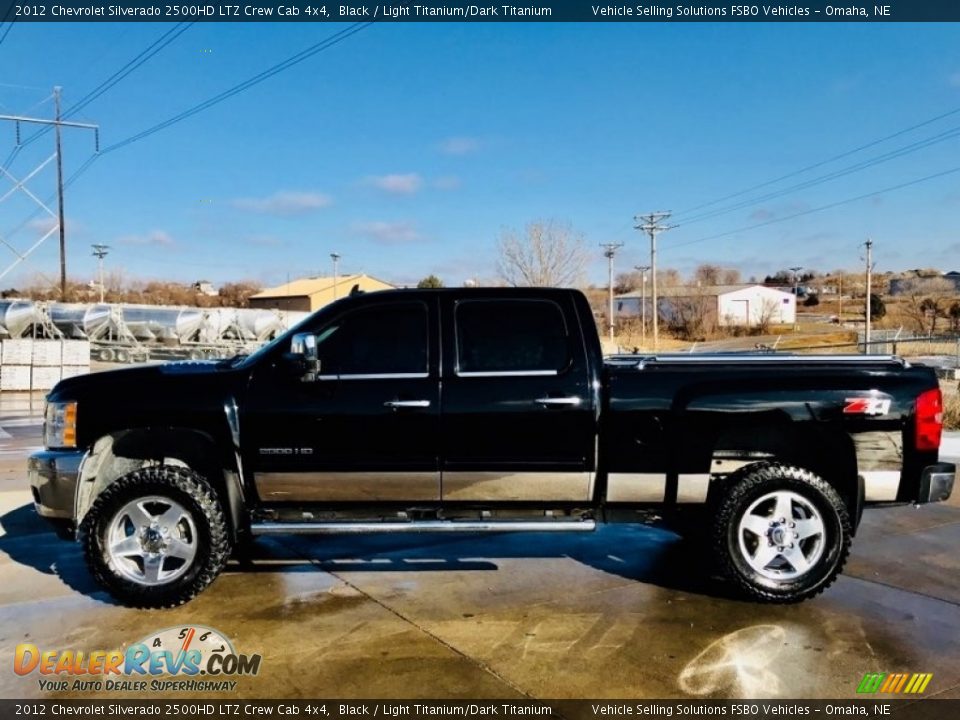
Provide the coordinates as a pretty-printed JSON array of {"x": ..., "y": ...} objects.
[{"x": 913, "y": 683}]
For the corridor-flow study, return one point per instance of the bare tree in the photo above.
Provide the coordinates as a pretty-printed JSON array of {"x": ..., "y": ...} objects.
[
  {"x": 730, "y": 276},
  {"x": 237, "y": 294},
  {"x": 707, "y": 274},
  {"x": 768, "y": 310},
  {"x": 548, "y": 254},
  {"x": 928, "y": 300},
  {"x": 669, "y": 277},
  {"x": 693, "y": 315},
  {"x": 627, "y": 282},
  {"x": 430, "y": 281}
]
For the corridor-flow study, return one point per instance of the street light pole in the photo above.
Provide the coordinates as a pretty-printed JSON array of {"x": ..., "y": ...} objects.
[
  {"x": 796, "y": 292},
  {"x": 336, "y": 259},
  {"x": 610, "y": 251},
  {"x": 100, "y": 252}
]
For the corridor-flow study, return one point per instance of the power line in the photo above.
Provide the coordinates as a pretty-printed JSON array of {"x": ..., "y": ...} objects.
[
  {"x": 817, "y": 209},
  {"x": 145, "y": 55},
  {"x": 822, "y": 162},
  {"x": 269, "y": 72},
  {"x": 20, "y": 184},
  {"x": 138, "y": 60},
  {"x": 332, "y": 40},
  {"x": 879, "y": 159},
  {"x": 7, "y": 31},
  {"x": 325, "y": 44},
  {"x": 53, "y": 196}
]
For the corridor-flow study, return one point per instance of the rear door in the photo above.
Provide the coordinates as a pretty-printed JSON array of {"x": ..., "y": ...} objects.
[{"x": 518, "y": 414}]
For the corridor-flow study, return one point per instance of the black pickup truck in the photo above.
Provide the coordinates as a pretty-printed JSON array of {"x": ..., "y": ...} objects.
[{"x": 481, "y": 410}]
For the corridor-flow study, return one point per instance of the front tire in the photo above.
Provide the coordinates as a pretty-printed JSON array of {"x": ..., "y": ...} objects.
[
  {"x": 156, "y": 537},
  {"x": 782, "y": 534}
]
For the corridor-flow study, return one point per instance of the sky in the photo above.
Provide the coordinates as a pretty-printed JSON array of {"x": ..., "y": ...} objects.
[{"x": 409, "y": 148}]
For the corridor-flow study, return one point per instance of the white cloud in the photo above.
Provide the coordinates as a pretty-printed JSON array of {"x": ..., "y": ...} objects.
[
  {"x": 447, "y": 182},
  {"x": 43, "y": 225},
  {"x": 156, "y": 238},
  {"x": 459, "y": 146},
  {"x": 285, "y": 203},
  {"x": 263, "y": 241},
  {"x": 407, "y": 184},
  {"x": 388, "y": 233}
]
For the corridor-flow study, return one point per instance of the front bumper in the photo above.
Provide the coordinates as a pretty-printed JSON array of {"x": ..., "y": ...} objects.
[
  {"x": 53, "y": 476},
  {"x": 936, "y": 482}
]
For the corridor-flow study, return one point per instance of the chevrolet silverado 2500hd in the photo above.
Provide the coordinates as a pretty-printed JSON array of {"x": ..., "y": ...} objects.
[{"x": 481, "y": 410}]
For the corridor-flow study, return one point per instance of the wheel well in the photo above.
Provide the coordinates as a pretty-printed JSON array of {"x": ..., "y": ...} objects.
[
  {"x": 118, "y": 454},
  {"x": 824, "y": 451}
]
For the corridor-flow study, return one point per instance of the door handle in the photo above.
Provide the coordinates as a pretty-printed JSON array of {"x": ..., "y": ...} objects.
[
  {"x": 559, "y": 401},
  {"x": 407, "y": 404}
]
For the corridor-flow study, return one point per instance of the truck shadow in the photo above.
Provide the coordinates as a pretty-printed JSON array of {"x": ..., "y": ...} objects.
[
  {"x": 28, "y": 540},
  {"x": 635, "y": 552}
]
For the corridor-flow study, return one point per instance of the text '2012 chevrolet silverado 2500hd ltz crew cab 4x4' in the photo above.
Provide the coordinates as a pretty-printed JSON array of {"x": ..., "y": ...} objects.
[{"x": 481, "y": 410}]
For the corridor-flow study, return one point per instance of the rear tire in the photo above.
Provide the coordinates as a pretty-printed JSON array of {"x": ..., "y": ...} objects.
[
  {"x": 781, "y": 533},
  {"x": 156, "y": 537}
]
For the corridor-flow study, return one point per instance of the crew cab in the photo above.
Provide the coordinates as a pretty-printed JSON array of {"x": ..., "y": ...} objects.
[{"x": 481, "y": 410}]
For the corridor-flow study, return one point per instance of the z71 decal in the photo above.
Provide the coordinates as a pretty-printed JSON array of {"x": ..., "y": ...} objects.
[{"x": 866, "y": 406}]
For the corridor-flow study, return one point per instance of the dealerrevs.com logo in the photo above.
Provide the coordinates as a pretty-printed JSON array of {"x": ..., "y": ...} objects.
[{"x": 179, "y": 658}]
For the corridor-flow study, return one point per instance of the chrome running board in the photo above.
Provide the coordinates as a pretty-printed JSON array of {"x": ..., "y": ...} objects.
[{"x": 419, "y": 526}]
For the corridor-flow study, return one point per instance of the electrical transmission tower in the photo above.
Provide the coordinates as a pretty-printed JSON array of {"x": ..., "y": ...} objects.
[
  {"x": 652, "y": 224},
  {"x": 21, "y": 185}
]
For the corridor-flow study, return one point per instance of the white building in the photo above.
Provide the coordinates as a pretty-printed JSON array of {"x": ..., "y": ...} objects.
[{"x": 725, "y": 305}]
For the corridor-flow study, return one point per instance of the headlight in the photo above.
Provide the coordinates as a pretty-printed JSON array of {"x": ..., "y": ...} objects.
[{"x": 60, "y": 425}]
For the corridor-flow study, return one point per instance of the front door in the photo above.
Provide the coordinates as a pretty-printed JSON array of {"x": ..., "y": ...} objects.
[{"x": 366, "y": 427}]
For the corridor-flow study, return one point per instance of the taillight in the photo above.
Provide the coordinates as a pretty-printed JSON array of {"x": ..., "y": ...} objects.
[{"x": 929, "y": 419}]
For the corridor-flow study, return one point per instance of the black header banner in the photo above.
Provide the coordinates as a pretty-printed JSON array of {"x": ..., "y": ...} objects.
[
  {"x": 430, "y": 11},
  {"x": 874, "y": 707}
]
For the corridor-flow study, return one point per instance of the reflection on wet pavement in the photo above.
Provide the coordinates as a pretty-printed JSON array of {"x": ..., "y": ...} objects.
[{"x": 622, "y": 612}]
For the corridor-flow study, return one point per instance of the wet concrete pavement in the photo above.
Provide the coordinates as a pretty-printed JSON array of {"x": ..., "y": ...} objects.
[{"x": 622, "y": 612}]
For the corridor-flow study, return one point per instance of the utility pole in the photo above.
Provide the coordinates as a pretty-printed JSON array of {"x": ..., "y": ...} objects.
[
  {"x": 336, "y": 259},
  {"x": 796, "y": 292},
  {"x": 840, "y": 309},
  {"x": 610, "y": 250},
  {"x": 642, "y": 269},
  {"x": 652, "y": 225},
  {"x": 20, "y": 184},
  {"x": 63, "y": 237},
  {"x": 100, "y": 252},
  {"x": 867, "y": 304}
]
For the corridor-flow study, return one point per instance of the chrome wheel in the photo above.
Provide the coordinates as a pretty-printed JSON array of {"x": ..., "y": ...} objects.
[
  {"x": 781, "y": 535},
  {"x": 152, "y": 540}
]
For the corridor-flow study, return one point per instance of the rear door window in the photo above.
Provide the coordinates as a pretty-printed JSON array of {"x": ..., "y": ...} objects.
[{"x": 511, "y": 337}]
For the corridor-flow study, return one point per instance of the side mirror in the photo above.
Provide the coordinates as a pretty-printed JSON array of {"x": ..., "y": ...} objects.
[{"x": 303, "y": 356}]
